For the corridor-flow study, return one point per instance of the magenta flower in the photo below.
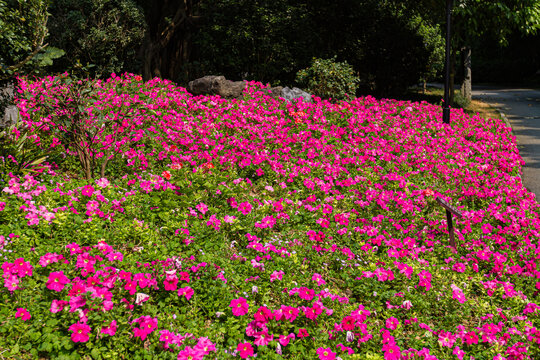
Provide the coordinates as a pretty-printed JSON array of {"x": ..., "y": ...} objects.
[
  {"x": 290, "y": 313},
  {"x": 186, "y": 291},
  {"x": 76, "y": 302},
  {"x": 23, "y": 314},
  {"x": 459, "y": 353},
  {"x": 326, "y": 354},
  {"x": 229, "y": 219},
  {"x": 318, "y": 279},
  {"x": 276, "y": 275},
  {"x": 110, "y": 329},
  {"x": 391, "y": 351},
  {"x": 348, "y": 323},
  {"x": 245, "y": 208},
  {"x": 11, "y": 282},
  {"x": 79, "y": 332},
  {"x": 457, "y": 294},
  {"x": 57, "y": 281},
  {"x": 49, "y": 258},
  {"x": 425, "y": 279},
  {"x": 239, "y": 306},
  {"x": 245, "y": 350},
  {"x": 190, "y": 353},
  {"x": 147, "y": 325},
  {"x": 102, "y": 183},
  {"x": 447, "y": 339},
  {"x": 115, "y": 256},
  {"x": 263, "y": 339},
  {"x": 205, "y": 345},
  {"x": 57, "y": 306},
  {"x": 392, "y": 323},
  {"x": 202, "y": 208}
]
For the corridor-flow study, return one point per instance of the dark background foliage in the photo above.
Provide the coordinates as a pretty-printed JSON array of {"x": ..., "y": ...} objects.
[{"x": 390, "y": 44}]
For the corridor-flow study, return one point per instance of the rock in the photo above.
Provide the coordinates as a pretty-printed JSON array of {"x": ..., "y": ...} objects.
[
  {"x": 10, "y": 113},
  {"x": 295, "y": 93},
  {"x": 216, "y": 85},
  {"x": 11, "y": 116},
  {"x": 275, "y": 91}
]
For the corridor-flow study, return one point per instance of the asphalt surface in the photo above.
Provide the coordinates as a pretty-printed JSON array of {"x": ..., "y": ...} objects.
[{"x": 521, "y": 107}]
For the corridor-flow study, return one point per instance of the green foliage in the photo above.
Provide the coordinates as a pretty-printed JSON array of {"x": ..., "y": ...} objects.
[
  {"x": 434, "y": 43},
  {"x": 104, "y": 33},
  {"x": 328, "y": 78},
  {"x": 18, "y": 154},
  {"x": 266, "y": 41},
  {"x": 22, "y": 39},
  {"x": 391, "y": 49},
  {"x": 394, "y": 51}
]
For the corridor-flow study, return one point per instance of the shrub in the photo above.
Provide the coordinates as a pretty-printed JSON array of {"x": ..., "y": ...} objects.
[{"x": 329, "y": 79}]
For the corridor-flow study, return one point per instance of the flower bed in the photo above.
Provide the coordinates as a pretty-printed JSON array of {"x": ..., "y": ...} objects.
[{"x": 257, "y": 228}]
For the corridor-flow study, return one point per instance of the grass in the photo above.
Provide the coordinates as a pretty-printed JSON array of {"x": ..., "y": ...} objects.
[{"x": 434, "y": 96}]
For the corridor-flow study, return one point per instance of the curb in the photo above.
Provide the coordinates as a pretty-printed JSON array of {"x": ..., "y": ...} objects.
[{"x": 505, "y": 119}]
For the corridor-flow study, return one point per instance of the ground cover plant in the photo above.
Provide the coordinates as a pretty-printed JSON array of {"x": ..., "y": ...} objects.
[{"x": 163, "y": 225}]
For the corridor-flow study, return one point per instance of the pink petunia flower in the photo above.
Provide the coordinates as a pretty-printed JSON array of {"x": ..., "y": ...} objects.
[
  {"x": 23, "y": 314},
  {"x": 190, "y": 353},
  {"x": 326, "y": 354},
  {"x": 79, "y": 332},
  {"x": 245, "y": 208},
  {"x": 392, "y": 323},
  {"x": 186, "y": 291},
  {"x": 110, "y": 329},
  {"x": 391, "y": 351},
  {"x": 202, "y": 208},
  {"x": 245, "y": 350},
  {"x": 239, "y": 306},
  {"x": 57, "y": 306},
  {"x": 57, "y": 281}
]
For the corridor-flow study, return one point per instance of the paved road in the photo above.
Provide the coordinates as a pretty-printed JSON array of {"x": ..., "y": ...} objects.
[{"x": 522, "y": 109}]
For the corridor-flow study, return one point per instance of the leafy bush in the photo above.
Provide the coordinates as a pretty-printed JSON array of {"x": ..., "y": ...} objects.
[
  {"x": 23, "y": 47},
  {"x": 328, "y": 78},
  {"x": 100, "y": 37}
]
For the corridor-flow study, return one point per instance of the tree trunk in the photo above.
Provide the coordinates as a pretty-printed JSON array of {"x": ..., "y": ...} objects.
[
  {"x": 466, "y": 86},
  {"x": 167, "y": 46}
]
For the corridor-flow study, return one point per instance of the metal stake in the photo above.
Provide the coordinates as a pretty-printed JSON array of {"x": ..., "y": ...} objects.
[{"x": 449, "y": 211}]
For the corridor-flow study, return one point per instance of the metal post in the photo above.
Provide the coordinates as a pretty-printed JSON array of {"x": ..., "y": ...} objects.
[
  {"x": 446, "y": 105},
  {"x": 450, "y": 210},
  {"x": 451, "y": 229}
]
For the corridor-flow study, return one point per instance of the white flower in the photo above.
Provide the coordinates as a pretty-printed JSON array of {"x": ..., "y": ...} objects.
[{"x": 141, "y": 297}]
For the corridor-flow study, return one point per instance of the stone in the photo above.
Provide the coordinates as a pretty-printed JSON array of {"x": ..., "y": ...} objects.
[
  {"x": 11, "y": 116},
  {"x": 275, "y": 91},
  {"x": 295, "y": 93},
  {"x": 10, "y": 113},
  {"x": 217, "y": 85}
]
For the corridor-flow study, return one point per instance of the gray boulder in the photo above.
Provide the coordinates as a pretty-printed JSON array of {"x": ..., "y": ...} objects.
[
  {"x": 10, "y": 113},
  {"x": 275, "y": 91},
  {"x": 11, "y": 116},
  {"x": 216, "y": 85},
  {"x": 295, "y": 93}
]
